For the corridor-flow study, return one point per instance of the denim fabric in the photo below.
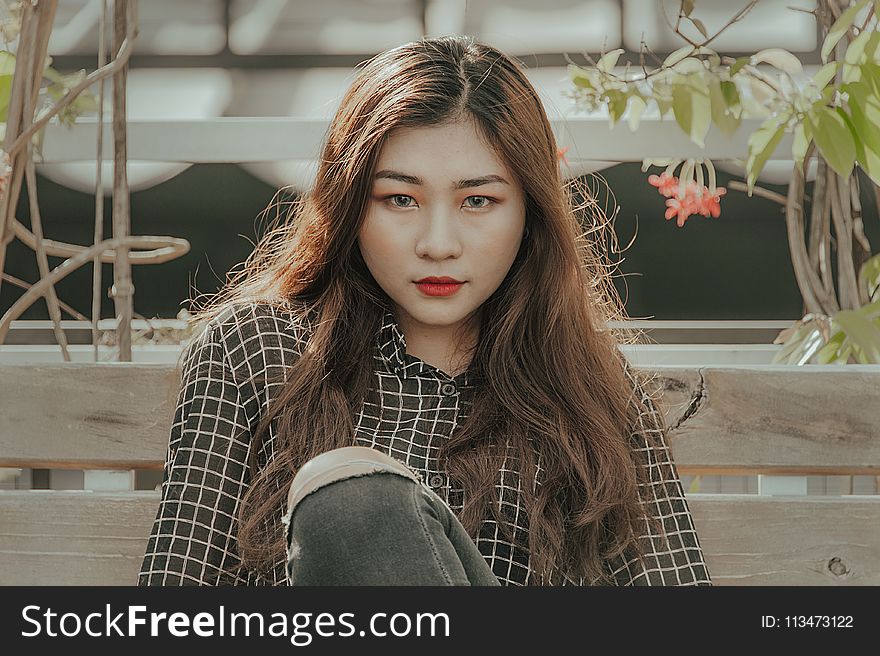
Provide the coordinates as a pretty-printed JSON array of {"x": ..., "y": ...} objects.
[{"x": 380, "y": 529}]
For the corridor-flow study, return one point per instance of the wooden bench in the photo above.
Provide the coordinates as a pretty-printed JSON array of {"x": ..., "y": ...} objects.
[{"x": 755, "y": 420}]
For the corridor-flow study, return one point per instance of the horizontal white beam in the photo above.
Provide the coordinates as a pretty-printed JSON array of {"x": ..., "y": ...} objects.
[
  {"x": 142, "y": 324},
  {"x": 650, "y": 324},
  {"x": 640, "y": 355},
  {"x": 274, "y": 139}
]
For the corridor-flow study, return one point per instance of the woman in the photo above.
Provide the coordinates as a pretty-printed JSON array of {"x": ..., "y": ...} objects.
[{"x": 424, "y": 343}]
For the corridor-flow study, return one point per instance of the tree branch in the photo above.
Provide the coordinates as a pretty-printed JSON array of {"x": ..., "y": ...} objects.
[{"x": 118, "y": 63}]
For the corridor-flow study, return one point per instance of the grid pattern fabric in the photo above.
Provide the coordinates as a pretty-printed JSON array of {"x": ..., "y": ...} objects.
[{"x": 411, "y": 408}]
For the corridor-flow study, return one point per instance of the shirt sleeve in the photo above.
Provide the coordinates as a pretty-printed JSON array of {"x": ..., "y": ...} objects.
[
  {"x": 192, "y": 541},
  {"x": 674, "y": 557}
]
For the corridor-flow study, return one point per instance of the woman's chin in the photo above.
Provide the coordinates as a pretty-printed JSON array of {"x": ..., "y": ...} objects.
[{"x": 442, "y": 312}]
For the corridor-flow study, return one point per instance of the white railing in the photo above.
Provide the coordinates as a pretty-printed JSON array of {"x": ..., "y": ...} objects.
[{"x": 640, "y": 355}]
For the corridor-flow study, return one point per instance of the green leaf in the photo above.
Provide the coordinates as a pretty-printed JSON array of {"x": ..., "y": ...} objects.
[
  {"x": 840, "y": 27},
  {"x": 70, "y": 80},
  {"x": 872, "y": 47},
  {"x": 779, "y": 58},
  {"x": 7, "y": 63},
  {"x": 57, "y": 91},
  {"x": 609, "y": 60},
  {"x": 784, "y": 353},
  {"x": 582, "y": 77},
  {"x": 699, "y": 25},
  {"x": 864, "y": 335},
  {"x": 871, "y": 311},
  {"x": 761, "y": 92},
  {"x": 864, "y": 116},
  {"x": 800, "y": 143},
  {"x": 830, "y": 353},
  {"x": 731, "y": 96},
  {"x": 7, "y": 68},
  {"x": 869, "y": 276},
  {"x": 664, "y": 105},
  {"x": 856, "y": 48},
  {"x": 736, "y": 67},
  {"x": 801, "y": 346},
  {"x": 85, "y": 103},
  {"x": 827, "y": 354},
  {"x": 689, "y": 65},
  {"x": 810, "y": 347},
  {"x": 616, "y": 104},
  {"x": 871, "y": 75},
  {"x": 834, "y": 139},
  {"x": 862, "y": 50},
  {"x": 722, "y": 115},
  {"x": 762, "y": 143},
  {"x": 5, "y": 90},
  {"x": 52, "y": 75},
  {"x": 825, "y": 74},
  {"x": 637, "y": 106},
  {"x": 693, "y": 110},
  {"x": 850, "y": 73},
  {"x": 678, "y": 55}
]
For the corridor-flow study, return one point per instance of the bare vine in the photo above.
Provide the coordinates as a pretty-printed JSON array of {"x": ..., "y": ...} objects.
[{"x": 18, "y": 150}]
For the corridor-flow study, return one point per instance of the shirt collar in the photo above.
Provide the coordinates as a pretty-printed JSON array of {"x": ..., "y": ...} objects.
[
  {"x": 392, "y": 343},
  {"x": 392, "y": 348}
]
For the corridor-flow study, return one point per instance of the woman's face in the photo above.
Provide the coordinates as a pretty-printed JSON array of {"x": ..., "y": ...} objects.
[{"x": 443, "y": 205}]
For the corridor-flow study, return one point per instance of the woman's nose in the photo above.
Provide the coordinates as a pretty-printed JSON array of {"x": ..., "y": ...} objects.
[{"x": 440, "y": 237}]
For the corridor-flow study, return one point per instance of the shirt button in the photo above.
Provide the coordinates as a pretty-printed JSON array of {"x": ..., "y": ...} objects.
[
  {"x": 435, "y": 481},
  {"x": 448, "y": 389}
]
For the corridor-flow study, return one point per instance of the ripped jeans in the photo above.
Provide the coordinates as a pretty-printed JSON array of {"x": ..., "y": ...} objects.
[{"x": 358, "y": 517}]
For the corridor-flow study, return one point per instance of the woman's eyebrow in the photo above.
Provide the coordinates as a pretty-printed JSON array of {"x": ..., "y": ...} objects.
[{"x": 461, "y": 184}]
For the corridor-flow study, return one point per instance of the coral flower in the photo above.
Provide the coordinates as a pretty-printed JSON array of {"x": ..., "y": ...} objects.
[
  {"x": 666, "y": 184},
  {"x": 560, "y": 154},
  {"x": 711, "y": 204},
  {"x": 696, "y": 200},
  {"x": 678, "y": 207}
]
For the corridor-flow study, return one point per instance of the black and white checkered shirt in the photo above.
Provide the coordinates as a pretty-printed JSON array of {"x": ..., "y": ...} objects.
[{"x": 411, "y": 408}]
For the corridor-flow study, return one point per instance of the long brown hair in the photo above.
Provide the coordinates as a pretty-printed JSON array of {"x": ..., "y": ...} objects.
[{"x": 548, "y": 371}]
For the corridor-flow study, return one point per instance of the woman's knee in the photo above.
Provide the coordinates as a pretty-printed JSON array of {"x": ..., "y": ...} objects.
[
  {"x": 361, "y": 499},
  {"x": 349, "y": 520},
  {"x": 341, "y": 464}
]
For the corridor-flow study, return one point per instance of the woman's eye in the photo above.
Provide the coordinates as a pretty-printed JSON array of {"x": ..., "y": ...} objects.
[
  {"x": 480, "y": 202},
  {"x": 400, "y": 200}
]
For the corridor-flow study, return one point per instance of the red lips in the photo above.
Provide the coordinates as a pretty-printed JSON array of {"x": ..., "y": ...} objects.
[
  {"x": 442, "y": 280},
  {"x": 439, "y": 285}
]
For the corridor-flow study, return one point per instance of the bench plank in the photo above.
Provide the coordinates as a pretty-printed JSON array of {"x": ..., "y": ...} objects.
[
  {"x": 780, "y": 420},
  {"x": 74, "y": 537},
  {"x": 724, "y": 420},
  {"x": 83, "y": 538},
  {"x": 86, "y": 416},
  {"x": 761, "y": 540}
]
